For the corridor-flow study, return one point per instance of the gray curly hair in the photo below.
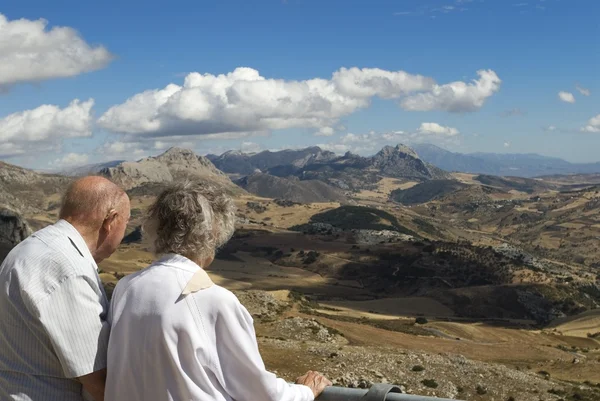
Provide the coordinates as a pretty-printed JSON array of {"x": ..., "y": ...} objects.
[{"x": 192, "y": 219}]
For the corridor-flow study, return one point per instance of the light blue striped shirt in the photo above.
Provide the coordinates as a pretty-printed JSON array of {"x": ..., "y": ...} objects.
[{"x": 52, "y": 317}]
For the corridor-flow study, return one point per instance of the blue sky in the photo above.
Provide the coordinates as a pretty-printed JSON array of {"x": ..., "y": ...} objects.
[{"x": 535, "y": 48}]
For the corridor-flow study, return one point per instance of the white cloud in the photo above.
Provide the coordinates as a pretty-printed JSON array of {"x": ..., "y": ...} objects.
[
  {"x": 507, "y": 144},
  {"x": 566, "y": 97},
  {"x": 593, "y": 125},
  {"x": 48, "y": 121},
  {"x": 30, "y": 53},
  {"x": 436, "y": 129},
  {"x": 550, "y": 128},
  {"x": 336, "y": 147},
  {"x": 325, "y": 131},
  {"x": 355, "y": 143},
  {"x": 357, "y": 83},
  {"x": 44, "y": 127},
  {"x": 583, "y": 91},
  {"x": 8, "y": 149},
  {"x": 118, "y": 148},
  {"x": 456, "y": 96},
  {"x": 250, "y": 147},
  {"x": 72, "y": 160},
  {"x": 393, "y": 136},
  {"x": 244, "y": 102},
  {"x": 372, "y": 141}
]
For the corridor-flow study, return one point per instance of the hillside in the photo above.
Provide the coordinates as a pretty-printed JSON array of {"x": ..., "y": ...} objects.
[
  {"x": 357, "y": 219},
  {"x": 514, "y": 183},
  {"x": 307, "y": 191},
  {"x": 426, "y": 191},
  {"x": 174, "y": 164},
  {"x": 27, "y": 191}
]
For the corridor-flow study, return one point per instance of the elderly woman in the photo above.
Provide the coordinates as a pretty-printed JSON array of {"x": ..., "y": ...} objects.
[{"x": 177, "y": 336}]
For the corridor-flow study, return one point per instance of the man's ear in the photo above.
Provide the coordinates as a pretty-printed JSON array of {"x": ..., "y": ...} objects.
[{"x": 107, "y": 224}]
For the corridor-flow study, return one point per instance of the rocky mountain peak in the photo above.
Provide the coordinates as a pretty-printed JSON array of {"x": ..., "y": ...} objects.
[
  {"x": 176, "y": 154},
  {"x": 175, "y": 163},
  {"x": 402, "y": 161},
  {"x": 399, "y": 150}
]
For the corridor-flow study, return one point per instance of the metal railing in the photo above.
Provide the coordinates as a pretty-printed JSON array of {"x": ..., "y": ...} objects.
[{"x": 377, "y": 392}]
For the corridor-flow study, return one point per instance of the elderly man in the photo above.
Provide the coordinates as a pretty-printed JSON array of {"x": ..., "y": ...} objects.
[
  {"x": 177, "y": 336},
  {"x": 53, "y": 329}
]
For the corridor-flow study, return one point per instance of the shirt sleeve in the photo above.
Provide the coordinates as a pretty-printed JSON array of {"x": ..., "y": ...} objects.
[
  {"x": 245, "y": 377},
  {"x": 74, "y": 316}
]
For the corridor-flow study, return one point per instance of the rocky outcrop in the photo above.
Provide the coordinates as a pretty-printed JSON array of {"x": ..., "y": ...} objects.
[
  {"x": 174, "y": 164},
  {"x": 403, "y": 162},
  {"x": 13, "y": 229}
]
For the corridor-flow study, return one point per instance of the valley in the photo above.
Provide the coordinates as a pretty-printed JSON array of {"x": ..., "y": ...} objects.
[{"x": 388, "y": 269}]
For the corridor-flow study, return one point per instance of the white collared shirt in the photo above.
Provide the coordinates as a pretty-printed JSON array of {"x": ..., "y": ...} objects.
[
  {"x": 53, "y": 311},
  {"x": 201, "y": 346}
]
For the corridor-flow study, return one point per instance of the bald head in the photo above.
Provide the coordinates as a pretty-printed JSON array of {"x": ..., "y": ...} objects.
[{"x": 89, "y": 200}]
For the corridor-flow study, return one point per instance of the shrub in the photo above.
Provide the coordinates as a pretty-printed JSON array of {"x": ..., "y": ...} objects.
[
  {"x": 556, "y": 392},
  {"x": 481, "y": 390},
  {"x": 418, "y": 368},
  {"x": 429, "y": 383},
  {"x": 545, "y": 374},
  {"x": 421, "y": 320}
]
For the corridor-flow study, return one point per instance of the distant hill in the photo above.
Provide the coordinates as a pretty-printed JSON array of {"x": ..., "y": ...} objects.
[
  {"x": 89, "y": 169},
  {"x": 349, "y": 172},
  {"x": 235, "y": 162},
  {"x": 353, "y": 172},
  {"x": 28, "y": 191},
  {"x": 426, "y": 191},
  {"x": 520, "y": 184},
  {"x": 174, "y": 164},
  {"x": 359, "y": 218},
  {"x": 307, "y": 191},
  {"x": 521, "y": 165}
]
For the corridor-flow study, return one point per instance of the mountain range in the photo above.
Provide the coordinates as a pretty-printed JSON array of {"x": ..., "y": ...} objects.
[
  {"x": 304, "y": 175},
  {"x": 511, "y": 164}
]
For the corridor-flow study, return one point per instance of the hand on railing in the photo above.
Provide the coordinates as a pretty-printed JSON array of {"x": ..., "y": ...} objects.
[{"x": 315, "y": 381}]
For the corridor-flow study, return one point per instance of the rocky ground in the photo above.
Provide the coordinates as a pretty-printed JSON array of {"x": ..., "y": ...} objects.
[{"x": 307, "y": 344}]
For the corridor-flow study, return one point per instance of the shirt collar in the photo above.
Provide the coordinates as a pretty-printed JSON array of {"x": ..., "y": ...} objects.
[
  {"x": 200, "y": 279},
  {"x": 76, "y": 239},
  {"x": 179, "y": 261}
]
